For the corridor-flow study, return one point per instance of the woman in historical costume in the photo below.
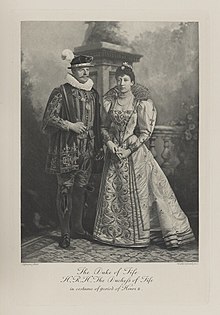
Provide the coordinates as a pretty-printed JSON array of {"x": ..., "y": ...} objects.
[{"x": 136, "y": 203}]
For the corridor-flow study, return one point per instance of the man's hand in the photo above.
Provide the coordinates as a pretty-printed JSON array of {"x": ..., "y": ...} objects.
[{"x": 77, "y": 127}]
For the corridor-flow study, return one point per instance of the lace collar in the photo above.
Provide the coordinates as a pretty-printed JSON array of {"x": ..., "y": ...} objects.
[{"x": 81, "y": 86}]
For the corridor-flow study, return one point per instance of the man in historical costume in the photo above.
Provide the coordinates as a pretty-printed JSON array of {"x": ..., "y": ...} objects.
[{"x": 72, "y": 121}]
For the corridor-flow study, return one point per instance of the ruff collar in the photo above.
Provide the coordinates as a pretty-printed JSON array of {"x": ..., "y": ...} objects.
[{"x": 81, "y": 86}]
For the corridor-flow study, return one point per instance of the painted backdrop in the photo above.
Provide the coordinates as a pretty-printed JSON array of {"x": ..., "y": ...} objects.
[{"x": 169, "y": 68}]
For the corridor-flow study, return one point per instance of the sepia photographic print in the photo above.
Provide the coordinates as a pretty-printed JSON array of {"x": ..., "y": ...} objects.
[{"x": 109, "y": 142}]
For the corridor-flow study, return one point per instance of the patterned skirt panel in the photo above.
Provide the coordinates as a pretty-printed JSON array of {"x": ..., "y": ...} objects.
[{"x": 137, "y": 205}]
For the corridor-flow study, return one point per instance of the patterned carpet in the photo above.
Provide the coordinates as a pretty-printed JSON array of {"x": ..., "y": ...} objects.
[{"x": 45, "y": 249}]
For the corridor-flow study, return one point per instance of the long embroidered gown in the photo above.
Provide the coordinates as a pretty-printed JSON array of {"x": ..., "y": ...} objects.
[{"x": 136, "y": 203}]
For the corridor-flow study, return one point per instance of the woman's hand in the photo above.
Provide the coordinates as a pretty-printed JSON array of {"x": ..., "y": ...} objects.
[
  {"x": 77, "y": 127},
  {"x": 112, "y": 147},
  {"x": 123, "y": 153}
]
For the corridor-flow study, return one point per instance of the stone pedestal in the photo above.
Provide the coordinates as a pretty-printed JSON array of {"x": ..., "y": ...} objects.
[{"x": 107, "y": 57}]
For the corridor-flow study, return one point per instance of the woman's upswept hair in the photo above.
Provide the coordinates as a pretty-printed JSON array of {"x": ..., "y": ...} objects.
[{"x": 125, "y": 69}]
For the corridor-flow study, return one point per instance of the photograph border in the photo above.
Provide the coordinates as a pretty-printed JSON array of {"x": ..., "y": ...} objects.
[{"x": 193, "y": 284}]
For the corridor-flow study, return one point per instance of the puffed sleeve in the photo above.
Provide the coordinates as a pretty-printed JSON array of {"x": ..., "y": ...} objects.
[
  {"x": 146, "y": 119},
  {"x": 52, "y": 120},
  {"x": 105, "y": 120}
]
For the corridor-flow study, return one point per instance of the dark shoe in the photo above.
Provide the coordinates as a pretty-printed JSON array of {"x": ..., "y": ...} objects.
[
  {"x": 85, "y": 235},
  {"x": 65, "y": 241},
  {"x": 173, "y": 247}
]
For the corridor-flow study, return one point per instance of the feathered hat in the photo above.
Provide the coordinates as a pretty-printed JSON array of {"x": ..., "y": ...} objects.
[{"x": 76, "y": 61}]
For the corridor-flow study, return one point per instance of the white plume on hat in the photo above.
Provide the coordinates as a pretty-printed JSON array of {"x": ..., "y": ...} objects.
[{"x": 67, "y": 55}]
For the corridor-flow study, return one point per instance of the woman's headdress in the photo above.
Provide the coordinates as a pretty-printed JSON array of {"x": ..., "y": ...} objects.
[
  {"x": 127, "y": 69},
  {"x": 125, "y": 64}
]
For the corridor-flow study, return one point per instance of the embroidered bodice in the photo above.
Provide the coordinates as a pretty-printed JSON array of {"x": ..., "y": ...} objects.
[
  {"x": 120, "y": 119},
  {"x": 128, "y": 128}
]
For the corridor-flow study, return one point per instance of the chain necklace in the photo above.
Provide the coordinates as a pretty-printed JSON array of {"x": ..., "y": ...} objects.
[{"x": 126, "y": 100}]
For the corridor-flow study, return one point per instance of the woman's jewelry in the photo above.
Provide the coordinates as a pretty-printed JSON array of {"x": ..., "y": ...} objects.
[
  {"x": 125, "y": 64},
  {"x": 125, "y": 100}
]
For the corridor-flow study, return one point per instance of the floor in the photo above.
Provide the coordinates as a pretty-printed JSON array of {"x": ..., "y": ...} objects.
[{"x": 44, "y": 249}]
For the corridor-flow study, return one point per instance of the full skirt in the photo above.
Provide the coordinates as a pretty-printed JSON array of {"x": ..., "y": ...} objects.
[{"x": 137, "y": 206}]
